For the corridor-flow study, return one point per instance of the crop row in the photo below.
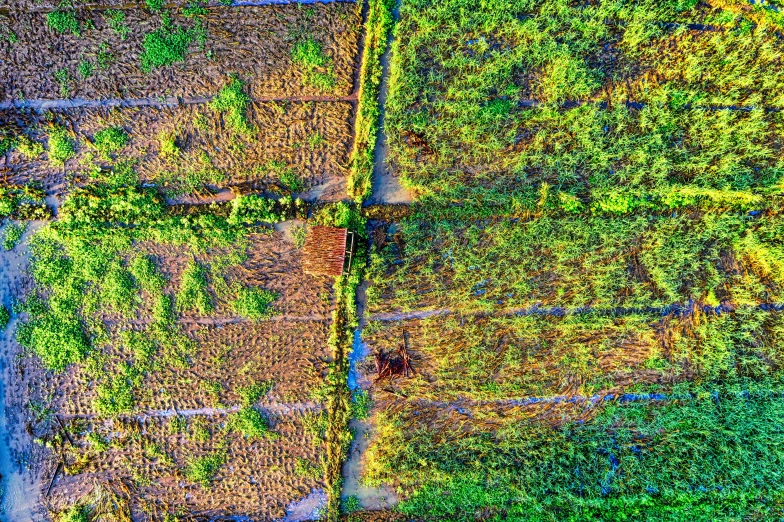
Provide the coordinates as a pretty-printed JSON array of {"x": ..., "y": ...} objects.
[
  {"x": 513, "y": 358},
  {"x": 630, "y": 262}
]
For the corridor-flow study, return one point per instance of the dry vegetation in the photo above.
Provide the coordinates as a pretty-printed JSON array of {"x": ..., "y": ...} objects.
[{"x": 220, "y": 41}]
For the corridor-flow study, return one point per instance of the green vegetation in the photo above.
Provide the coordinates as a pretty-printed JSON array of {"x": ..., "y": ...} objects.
[
  {"x": 168, "y": 145},
  {"x": 317, "y": 65},
  {"x": 28, "y": 148},
  {"x": 116, "y": 20},
  {"x": 63, "y": 22},
  {"x": 169, "y": 44},
  {"x": 670, "y": 151},
  {"x": 155, "y": 5},
  {"x": 299, "y": 233},
  {"x": 5, "y": 317},
  {"x": 203, "y": 469},
  {"x": 233, "y": 103},
  {"x": 595, "y": 223},
  {"x": 76, "y": 513},
  {"x": 193, "y": 294},
  {"x": 251, "y": 394},
  {"x": 637, "y": 461},
  {"x": 252, "y": 209},
  {"x": 63, "y": 78},
  {"x": 61, "y": 146},
  {"x": 253, "y": 303},
  {"x": 86, "y": 69},
  {"x": 250, "y": 423},
  {"x": 110, "y": 140},
  {"x": 12, "y": 235},
  {"x": 377, "y": 29}
]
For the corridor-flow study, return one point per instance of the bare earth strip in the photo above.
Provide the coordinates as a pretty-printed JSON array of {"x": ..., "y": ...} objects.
[
  {"x": 158, "y": 102},
  {"x": 98, "y": 6}
]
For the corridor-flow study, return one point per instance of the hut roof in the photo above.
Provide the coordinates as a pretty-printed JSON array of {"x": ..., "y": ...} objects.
[{"x": 324, "y": 253}]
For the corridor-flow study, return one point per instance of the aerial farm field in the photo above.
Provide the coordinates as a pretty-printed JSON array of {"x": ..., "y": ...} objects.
[
  {"x": 580, "y": 318},
  {"x": 377, "y": 260}
]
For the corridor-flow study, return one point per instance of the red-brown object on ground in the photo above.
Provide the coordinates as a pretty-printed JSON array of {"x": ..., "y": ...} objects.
[{"x": 325, "y": 251}]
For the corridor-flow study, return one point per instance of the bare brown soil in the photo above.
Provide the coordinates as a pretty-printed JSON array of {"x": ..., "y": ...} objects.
[
  {"x": 311, "y": 139},
  {"x": 148, "y": 452},
  {"x": 49, "y": 5},
  {"x": 254, "y": 42},
  {"x": 257, "y": 479}
]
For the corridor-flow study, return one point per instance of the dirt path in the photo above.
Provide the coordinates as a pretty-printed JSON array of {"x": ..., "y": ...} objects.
[
  {"x": 386, "y": 186},
  {"x": 160, "y": 102},
  {"x": 20, "y": 486}
]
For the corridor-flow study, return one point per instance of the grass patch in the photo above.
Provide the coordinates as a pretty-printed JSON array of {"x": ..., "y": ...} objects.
[
  {"x": 317, "y": 65},
  {"x": 61, "y": 146},
  {"x": 202, "y": 470},
  {"x": 12, "y": 235},
  {"x": 193, "y": 294},
  {"x": 233, "y": 103},
  {"x": 110, "y": 140},
  {"x": 63, "y": 22},
  {"x": 250, "y": 423}
]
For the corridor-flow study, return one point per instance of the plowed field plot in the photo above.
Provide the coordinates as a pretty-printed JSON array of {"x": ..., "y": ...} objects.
[
  {"x": 282, "y": 147},
  {"x": 283, "y": 50},
  {"x": 164, "y": 355},
  {"x": 173, "y": 366}
]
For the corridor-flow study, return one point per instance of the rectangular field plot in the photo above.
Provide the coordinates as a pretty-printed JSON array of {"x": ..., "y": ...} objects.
[
  {"x": 652, "y": 460},
  {"x": 516, "y": 358},
  {"x": 615, "y": 106},
  {"x": 135, "y": 53},
  {"x": 193, "y": 464},
  {"x": 184, "y": 358},
  {"x": 641, "y": 262},
  {"x": 282, "y": 147}
]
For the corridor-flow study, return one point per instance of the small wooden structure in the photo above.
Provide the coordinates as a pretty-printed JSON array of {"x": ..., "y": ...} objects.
[{"x": 328, "y": 251}]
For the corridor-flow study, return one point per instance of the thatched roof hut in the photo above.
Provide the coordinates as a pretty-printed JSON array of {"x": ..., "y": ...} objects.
[{"x": 326, "y": 251}]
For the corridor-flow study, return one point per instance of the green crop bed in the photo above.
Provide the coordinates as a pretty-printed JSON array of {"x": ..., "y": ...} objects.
[
  {"x": 588, "y": 284},
  {"x": 613, "y": 105}
]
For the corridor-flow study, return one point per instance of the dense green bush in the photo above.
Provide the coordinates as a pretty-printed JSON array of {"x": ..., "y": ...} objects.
[
  {"x": 13, "y": 234},
  {"x": 63, "y": 22},
  {"x": 253, "y": 303},
  {"x": 61, "y": 146},
  {"x": 5, "y": 317},
  {"x": 250, "y": 423},
  {"x": 165, "y": 46},
  {"x": 251, "y": 394},
  {"x": 57, "y": 338},
  {"x": 203, "y": 469},
  {"x": 232, "y": 102},
  {"x": 115, "y": 397},
  {"x": 317, "y": 65},
  {"x": 193, "y": 294},
  {"x": 111, "y": 139},
  {"x": 251, "y": 209}
]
